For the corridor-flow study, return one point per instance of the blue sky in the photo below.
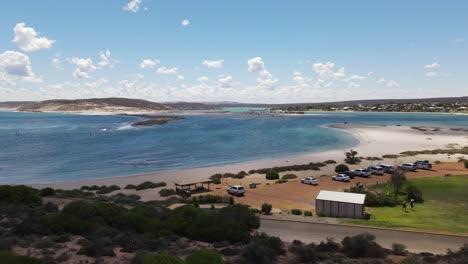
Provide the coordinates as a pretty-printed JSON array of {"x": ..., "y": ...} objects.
[{"x": 254, "y": 51}]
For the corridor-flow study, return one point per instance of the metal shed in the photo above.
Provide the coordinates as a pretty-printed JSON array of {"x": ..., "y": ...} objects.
[{"x": 340, "y": 204}]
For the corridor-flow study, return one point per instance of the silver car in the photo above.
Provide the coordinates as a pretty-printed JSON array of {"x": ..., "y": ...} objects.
[{"x": 341, "y": 177}]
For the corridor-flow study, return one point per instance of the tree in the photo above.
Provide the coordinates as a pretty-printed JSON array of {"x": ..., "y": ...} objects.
[
  {"x": 272, "y": 175},
  {"x": 266, "y": 208},
  {"x": 161, "y": 258},
  {"x": 47, "y": 192},
  {"x": 397, "y": 179},
  {"x": 351, "y": 157},
  {"x": 341, "y": 168}
]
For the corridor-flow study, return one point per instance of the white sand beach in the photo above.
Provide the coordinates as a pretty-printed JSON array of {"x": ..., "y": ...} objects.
[{"x": 374, "y": 141}]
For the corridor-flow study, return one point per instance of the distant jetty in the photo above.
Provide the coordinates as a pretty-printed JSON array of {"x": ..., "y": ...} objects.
[{"x": 151, "y": 120}]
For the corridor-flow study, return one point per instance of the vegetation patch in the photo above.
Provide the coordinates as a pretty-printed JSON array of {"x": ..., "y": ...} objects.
[{"x": 289, "y": 176}]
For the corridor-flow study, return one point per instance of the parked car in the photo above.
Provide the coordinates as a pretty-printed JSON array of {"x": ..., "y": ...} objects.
[
  {"x": 377, "y": 170},
  {"x": 236, "y": 190},
  {"x": 350, "y": 174},
  {"x": 408, "y": 166},
  {"x": 387, "y": 168},
  {"x": 341, "y": 177},
  {"x": 309, "y": 180},
  {"x": 362, "y": 172},
  {"x": 423, "y": 164}
]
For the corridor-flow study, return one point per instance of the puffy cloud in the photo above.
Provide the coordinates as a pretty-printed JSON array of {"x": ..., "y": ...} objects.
[
  {"x": 326, "y": 74},
  {"x": 431, "y": 74},
  {"x": 27, "y": 39},
  {"x": 185, "y": 22},
  {"x": 432, "y": 65},
  {"x": 213, "y": 63},
  {"x": 225, "y": 81},
  {"x": 388, "y": 83},
  {"x": 164, "y": 70},
  {"x": 133, "y": 6},
  {"x": 105, "y": 55},
  {"x": 57, "y": 62},
  {"x": 353, "y": 85},
  {"x": 82, "y": 67},
  {"x": 202, "y": 79},
  {"x": 148, "y": 63},
  {"x": 265, "y": 79},
  {"x": 16, "y": 63},
  {"x": 180, "y": 77}
]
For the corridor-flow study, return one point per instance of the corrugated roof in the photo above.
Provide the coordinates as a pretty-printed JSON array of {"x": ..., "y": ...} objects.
[{"x": 344, "y": 197}]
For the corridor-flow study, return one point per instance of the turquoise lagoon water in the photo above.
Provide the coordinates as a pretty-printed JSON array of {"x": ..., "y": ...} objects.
[{"x": 43, "y": 147}]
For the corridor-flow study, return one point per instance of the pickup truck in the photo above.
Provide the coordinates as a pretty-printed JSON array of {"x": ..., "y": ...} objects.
[
  {"x": 423, "y": 164},
  {"x": 362, "y": 172},
  {"x": 236, "y": 190}
]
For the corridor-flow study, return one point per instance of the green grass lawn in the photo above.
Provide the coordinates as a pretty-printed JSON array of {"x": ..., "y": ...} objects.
[{"x": 445, "y": 207}]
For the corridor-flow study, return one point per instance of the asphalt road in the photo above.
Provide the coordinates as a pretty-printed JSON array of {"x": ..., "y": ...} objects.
[{"x": 315, "y": 232}]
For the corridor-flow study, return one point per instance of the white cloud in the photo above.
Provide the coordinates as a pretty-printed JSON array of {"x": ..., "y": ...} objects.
[
  {"x": 164, "y": 70},
  {"x": 82, "y": 67},
  {"x": 326, "y": 74},
  {"x": 185, "y": 22},
  {"x": 27, "y": 39},
  {"x": 213, "y": 63},
  {"x": 388, "y": 83},
  {"x": 353, "y": 85},
  {"x": 16, "y": 63},
  {"x": 57, "y": 63},
  {"x": 133, "y": 6},
  {"x": 225, "y": 81},
  {"x": 180, "y": 77},
  {"x": 432, "y": 65},
  {"x": 202, "y": 79},
  {"x": 431, "y": 74},
  {"x": 265, "y": 79},
  {"x": 148, "y": 63},
  {"x": 256, "y": 65},
  {"x": 105, "y": 55}
]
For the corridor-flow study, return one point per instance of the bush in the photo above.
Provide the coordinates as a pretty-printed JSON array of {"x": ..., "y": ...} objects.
[
  {"x": 7, "y": 257},
  {"x": 216, "y": 181},
  {"x": 252, "y": 171},
  {"x": 263, "y": 250},
  {"x": 296, "y": 212},
  {"x": 362, "y": 246},
  {"x": 307, "y": 213},
  {"x": 149, "y": 185},
  {"x": 329, "y": 246},
  {"x": 161, "y": 258},
  {"x": 289, "y": 176},
  {"x": 130, "y": 187},
  {"x": 217, "y": 176},
  {"x": 47, "y": 192},
  {"x": 51, "y": 207},
  {"x": 204, "y": 256},
  {"x": 304, "y": 253},
  {"x": 167, "y": 192},
  {"x": 266, "y": 208},
  {"x": 390, "y": 156},
  {"x": 108, "y": 189},
  {"x": 281, "y": 181},
  {"x": 272, "y": 175},
  {"x": 125, "y": 199},
  {"x": 399, "y": 249},
  {"x": 412, "y": 192},
  {"x": 341, "y": 168},
  {"x": 329, "y": 162},
  {"x": 466, "y": 164},
  {"x": 19, "y": 194}
]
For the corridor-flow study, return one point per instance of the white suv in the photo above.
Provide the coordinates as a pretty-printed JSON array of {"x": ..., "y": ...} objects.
[
  {"x": 377, "y": 170},
  {"x": 309, "y": 180},
  {"x": 423, "y": 164},
  {"x": 362, "y": 172},
  {"x": 236, "y": 190},
  {"x": 341, "y": 177},
  {"x": 408, "y": 166}
]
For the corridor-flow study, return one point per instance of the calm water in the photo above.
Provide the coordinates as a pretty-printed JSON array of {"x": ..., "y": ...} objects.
[{"x": 41, "y": 147}]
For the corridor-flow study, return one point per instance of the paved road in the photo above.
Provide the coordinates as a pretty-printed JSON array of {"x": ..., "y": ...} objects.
[{"x": 315, "y": 232}]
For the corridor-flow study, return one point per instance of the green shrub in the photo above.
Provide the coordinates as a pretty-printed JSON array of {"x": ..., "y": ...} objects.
[
  {"x": 304, "y": 253},
  {"x": 272, "y": 175},
  {"x": 296, "y": 211},
  {"x": 329, "y": 246},
  {"x": 329, "y": 162},
  {"x": 263, "y": 249},
  {"x": 130, "y": 187},
  {"x": 231, "y": 200},
  {"x": 19, "y": 194},
  {"x": 149, "y": 185},
  {"x": 321, "y": 214},
  {"x": 362, "y": 246},
  {"x": 167, "y": 192},
  {"x": 281, "y": 181},
  {"x": 252, "y": 171},
  {"x": 47, "y": 192},
  {"x": 204, "y": 256},
  {"x": 341, "y": 168},
  {"x": 399, "y": 249},
  {"x": 7, "y": 257},
  {"x": 289, "y": 176},
  {"x": 266, "y": 208},
  {"x": 217, "y": 176},
  {"x": 390, "y": 156},
  {"x": 161, "y": 258},
  {"x": 108, "y": 189},
  {"x": 125, "y": 199},
  {"x": 307, "y": 213},
  {"x": 216, "y": 181}
]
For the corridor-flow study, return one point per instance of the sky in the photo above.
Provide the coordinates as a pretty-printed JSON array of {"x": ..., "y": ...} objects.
[{"x": 243, "y": 50}]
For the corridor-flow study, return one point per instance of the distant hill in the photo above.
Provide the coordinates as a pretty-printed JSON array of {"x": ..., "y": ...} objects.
[
  {"x": 95, "y": 105},
  {"x": 14, "y": 104}
]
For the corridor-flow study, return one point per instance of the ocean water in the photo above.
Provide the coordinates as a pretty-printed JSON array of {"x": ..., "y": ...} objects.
[{"x": 44, "y": 147}]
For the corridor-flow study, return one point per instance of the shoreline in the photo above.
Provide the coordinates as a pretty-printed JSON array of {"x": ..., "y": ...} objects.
[{"x": 374, "y": 140}]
